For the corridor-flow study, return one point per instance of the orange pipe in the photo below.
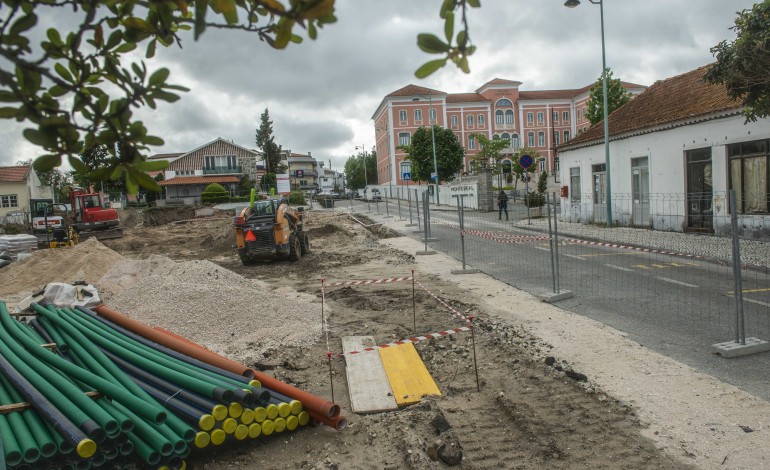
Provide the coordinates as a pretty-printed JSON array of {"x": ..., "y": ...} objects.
[
  {"x": 339, "y": 423},
  {"x": 312, "y": 403}
]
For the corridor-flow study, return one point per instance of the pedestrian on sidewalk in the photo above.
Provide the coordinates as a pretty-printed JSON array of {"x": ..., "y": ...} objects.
[{"x": 502, "y": 205}]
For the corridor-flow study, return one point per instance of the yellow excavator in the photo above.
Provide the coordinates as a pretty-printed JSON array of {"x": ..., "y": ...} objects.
[
  {"x": 270, "y": 229},
  {"x": 61, "y": 235}
]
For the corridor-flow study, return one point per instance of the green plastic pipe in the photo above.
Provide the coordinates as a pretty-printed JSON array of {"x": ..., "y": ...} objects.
[
  {"x": 30, "y": 452},
  {"x": 64, "y": 397},
  {"x": 33, "y": 357},
  {"x": 121, "y": 341},
  {"x": 149, "y": 433},
  {"x": 11, "y": 449},
  {"x": 147, "y": 410},
  {"x": 61, "y": 344},
  {"x": 35, "y": 424},
  {"x": 201, "y": 387},
  {"x": 143, "y": 449}
]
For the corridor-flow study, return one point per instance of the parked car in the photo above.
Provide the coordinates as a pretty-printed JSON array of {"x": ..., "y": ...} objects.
[{"x": 372, "y": 194}]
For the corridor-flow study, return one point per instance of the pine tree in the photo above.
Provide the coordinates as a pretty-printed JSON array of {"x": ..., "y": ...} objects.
[{"x": 266, "y": 142}]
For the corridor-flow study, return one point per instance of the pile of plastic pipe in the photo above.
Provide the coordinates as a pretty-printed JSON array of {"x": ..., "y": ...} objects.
[{"x": 99, "y": 395}]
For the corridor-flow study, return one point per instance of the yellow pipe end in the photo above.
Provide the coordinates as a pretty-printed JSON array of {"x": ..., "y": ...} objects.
[
  {"x": 254, "y": 430},
  {"x": 183, "y": 465},
  {"x": 296, "y": 407},
  {"x": 202, "y": 440},
  {"x": 219, "y": 412},
  {"x": 292, "y": 422},
  {"x": 218, "y": 437},
  {"x": 303, "y": 418},
  {"x": 260, "y": 414},
  {"x": 284, "y": 410},
  {"x": 255, "y": 383},
  {"x": 280, "y": 425},
  {"x": 235, "y": 410},
  {"x": 241, "y": 432},
  {"x": 86, "y": 448},
  {"x": 247, "y": 417},
  {"x": 272, "y": 411},
  {"x": 206, "y": 422},
  {"x": 268, "y": 427},
  {"x": 229, "y": 425}
]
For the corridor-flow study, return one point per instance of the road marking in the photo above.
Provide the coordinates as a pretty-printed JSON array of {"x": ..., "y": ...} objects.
[
  {"x": 613, "y": 254},
  {"x": 619, "y": 267},
  {"x": 541, "y": 248},
  {"x": 574, "y": 257},
  {"x": 750, "y": 290},
  {"x": 758, "y": 302},
  {"x": 674, "y": 281}
]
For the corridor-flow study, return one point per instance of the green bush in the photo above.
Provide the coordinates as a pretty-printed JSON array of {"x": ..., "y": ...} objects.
[
  {"x": 534, "y": 200},
  {"x": 240, "y": 199},
  {"x": 296, "y": 197},
  {"x": 215, "y": 193}
]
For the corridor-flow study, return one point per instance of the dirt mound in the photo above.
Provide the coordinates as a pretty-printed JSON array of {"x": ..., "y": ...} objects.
[
  {"x": 324, "y": 230},
  {"x": 130, "y": 218},
  {"x": 165, "y": 215},
  {"x": 87, "y": 261}
]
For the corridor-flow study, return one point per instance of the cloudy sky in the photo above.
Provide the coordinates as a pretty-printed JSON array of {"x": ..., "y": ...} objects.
[{"x": 321, "y": 94}]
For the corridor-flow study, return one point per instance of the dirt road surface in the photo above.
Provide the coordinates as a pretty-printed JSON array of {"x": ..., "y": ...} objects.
[{"x": 557, "y": 391}]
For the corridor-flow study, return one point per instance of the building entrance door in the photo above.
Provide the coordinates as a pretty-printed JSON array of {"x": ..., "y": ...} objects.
[
  {"x": 599, "y": 174},
  {"x": 640, "y": 191},
  {"x": 700, "y": 195}
]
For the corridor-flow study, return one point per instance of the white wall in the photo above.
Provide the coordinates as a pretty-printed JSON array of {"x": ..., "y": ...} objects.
[{"x": 665, "y": 150}]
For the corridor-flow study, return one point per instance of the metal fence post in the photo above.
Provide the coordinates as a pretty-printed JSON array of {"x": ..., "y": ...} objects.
[
  {"x": 417, "y": 205},
  {"x": 425, "y": 225},
  {"x": 553, "y": 240},
  {"x": 409, "y": 203},
  {"x": 740, "y": 332},
  {"x": 461, "y": 218},
  {"x": 398, "y": 198},
  {"x": 387, "y": 210}
]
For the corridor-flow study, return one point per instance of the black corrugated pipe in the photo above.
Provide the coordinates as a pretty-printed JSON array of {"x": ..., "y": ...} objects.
[{"x": 163, "y": 349}]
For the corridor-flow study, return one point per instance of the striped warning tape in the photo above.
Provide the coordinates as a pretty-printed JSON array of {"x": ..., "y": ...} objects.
[
  {"x": 449, "y": 307},
  {"x": 627, "y": 247},
  {"x": 199, "y": 219},
  {"x": 414, "y": 339},
  {"x": 498, "y": 237},
  {"x": 368, "y": 281}
]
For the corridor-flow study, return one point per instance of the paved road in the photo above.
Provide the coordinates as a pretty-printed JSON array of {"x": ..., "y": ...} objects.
[{"x": 675, "y": 305}]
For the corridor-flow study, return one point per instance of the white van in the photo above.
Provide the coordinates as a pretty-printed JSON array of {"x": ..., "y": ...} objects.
[{"x": 371, "y": 194}]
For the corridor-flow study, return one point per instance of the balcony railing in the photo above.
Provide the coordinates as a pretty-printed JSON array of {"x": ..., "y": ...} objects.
[{"x": 222, "y": 170}]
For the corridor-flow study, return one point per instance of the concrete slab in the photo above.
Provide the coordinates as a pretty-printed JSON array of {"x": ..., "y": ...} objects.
[
  {"x": 465, "y": 271},
  {"x": 732, "y": 349},
  {"x": 552, "y": 297}
]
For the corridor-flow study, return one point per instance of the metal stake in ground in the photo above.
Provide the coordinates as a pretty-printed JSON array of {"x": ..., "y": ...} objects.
[
  {"x": 398, "y": 198},
  {"x": 331, "y": 381},
  {"x": 425, "y": 224},
  {"x": 409, "y": 203},
  {"x": 387, "y": 210},
  {"x": 473, "y": 342},
  {"x": 461, "y": 218},
  {"x": 417, "y": 205},
  {"x": 414, "y": 307}
]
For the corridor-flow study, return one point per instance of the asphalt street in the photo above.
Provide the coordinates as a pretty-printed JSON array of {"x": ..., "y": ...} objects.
[{"x": 674, "y": 304}]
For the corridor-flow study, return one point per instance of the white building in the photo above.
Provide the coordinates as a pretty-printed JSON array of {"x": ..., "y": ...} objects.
[{"x": 675, "y": 152}]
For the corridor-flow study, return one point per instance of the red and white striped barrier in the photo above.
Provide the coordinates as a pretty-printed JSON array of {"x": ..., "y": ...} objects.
[
  {"x": 626, "y": 247},
  {"x": 498, "y": 237},
  {"x": 199, "y": 219},
  {"x": 368, "y": 281},
  {"x": 414, "y": 339},
  {"x": 449, "y": 307}
]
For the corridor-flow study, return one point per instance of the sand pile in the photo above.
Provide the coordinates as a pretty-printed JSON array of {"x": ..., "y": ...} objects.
[
  {"x": 86, "y": 261},
  {"x": 222, "y": 310}
]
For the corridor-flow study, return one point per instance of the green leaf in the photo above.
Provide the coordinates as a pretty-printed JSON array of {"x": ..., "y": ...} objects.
[
  {"x": 8, "y": 97},
  {"x": 431, "y": 44},
  {"x": 151, "y": 166},
  {"x": 8, "y": 113},
  {"x": 201, "y": 8},
  {"x": 228, "y": 10},
  {"x": 151, "y": 49},
  {"x": 449, "y": 26},
  {"x": 296, "y": 39},
  {"x": 160, "y": 76},
  {"x": 46, "y": 162},
  {"x": 446, "y": 8},
  {"x": 146, "y": 181},
  {"x": 22, "y": 24},
  {"x": 464, "y": 65},
  {"x": 283, "y": 33},
  {"x": 312, "y": 32},
  {"x": 474, "y": 3},
  {"x": 462, "y": 39},
  {"x": 77, "y": 164},
  {"x": 138, "y": 23},
  {"x": 125, "y": 47},
  {"x": 43, "y": 139},
  {"x": 152, "y": 140},
  {"x": 429, "y": 67}
]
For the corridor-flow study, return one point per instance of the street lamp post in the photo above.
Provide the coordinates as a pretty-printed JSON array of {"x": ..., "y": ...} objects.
[
  {"x": 366, "y": 178},
  {"x": 573, "y": 4},
  {"x": 433, "y": 144}
]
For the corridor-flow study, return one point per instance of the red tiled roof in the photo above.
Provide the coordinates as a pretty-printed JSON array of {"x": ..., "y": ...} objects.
[
  {"x": 163, "y": 156},
  {"x": 411, "y": 90},
  {"x": 547, "y": 94},
  {"x": 14, "y": 174},
  {"x": 502, "y": 81},
  {"x": 465, "y": 98},
  {"x": 667, "y": 101},
  {"x": 182, "y": 180}
]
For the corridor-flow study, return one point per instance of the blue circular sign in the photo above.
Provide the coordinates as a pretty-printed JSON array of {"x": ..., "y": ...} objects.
[{"x": 526, "y": 161}]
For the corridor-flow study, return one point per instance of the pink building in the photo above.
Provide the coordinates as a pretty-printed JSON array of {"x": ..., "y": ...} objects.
[{"x": 498, "y": 109}]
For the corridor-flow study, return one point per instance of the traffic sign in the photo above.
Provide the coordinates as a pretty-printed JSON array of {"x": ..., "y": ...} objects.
[
  {"x": 406, "y": 176},
  {"x": 433, "y": 175},
  {"x": 526, "y": 161}
]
